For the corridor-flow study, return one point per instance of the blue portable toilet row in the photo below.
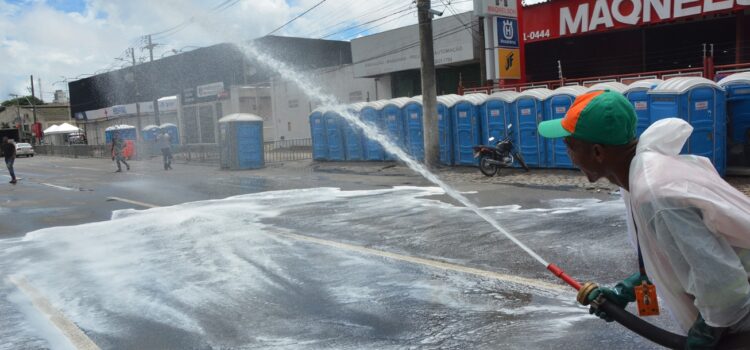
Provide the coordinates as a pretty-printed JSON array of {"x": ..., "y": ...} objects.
[
  {"x": 495, "y": 115},
  {"x": 127, "y": 132},
  {"x": 318, "y": 135},
  {"x": 737, "y": 87},
  {"x": 445, "y": 105},
  {"x": 149, "y": 132},
  {"x": 637, "y": 94},
  {"x": 528, "y": 111},
  {"x": 241, "y": 141},
  {"x": 558, "y": 103},
  {"x": 370, "y": 114},
  {"x": 467, "y": 128},
  {"x": 700, "y": 102},
  {"x": 173, "y": 131}
]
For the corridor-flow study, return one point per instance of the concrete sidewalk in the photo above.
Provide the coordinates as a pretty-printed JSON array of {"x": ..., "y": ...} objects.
[{"x": 571, "y": 179}]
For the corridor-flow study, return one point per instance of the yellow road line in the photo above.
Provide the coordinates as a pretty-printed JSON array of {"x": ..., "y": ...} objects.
[
  {"x": 76, "y": 336},
  {"x": 142, "y": 204},
  {"x": 430, "y": 263},
  {"x": 406, "y": 258}
]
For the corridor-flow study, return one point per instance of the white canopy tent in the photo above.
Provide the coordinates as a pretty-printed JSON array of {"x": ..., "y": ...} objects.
[
  {"x": 63, "y": 128},
  {"x": 51, "y": 129}
]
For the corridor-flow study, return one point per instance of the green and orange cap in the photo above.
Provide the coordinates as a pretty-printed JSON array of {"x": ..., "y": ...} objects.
[{"x": 602, "y": 117}]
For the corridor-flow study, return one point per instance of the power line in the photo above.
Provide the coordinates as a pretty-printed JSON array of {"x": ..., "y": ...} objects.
[
  {"x": 365, "y": 23},
  {"x": 363, "y": 12},
  {"x": 295, "y": 18}
]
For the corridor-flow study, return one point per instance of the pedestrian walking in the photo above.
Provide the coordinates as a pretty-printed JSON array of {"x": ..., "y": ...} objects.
[
  {"x": 691, "y": 229},
  {"x": 164, "y": 140},
  {"x": 118, "y": 148},
  {"x": 9, "y": 152}
]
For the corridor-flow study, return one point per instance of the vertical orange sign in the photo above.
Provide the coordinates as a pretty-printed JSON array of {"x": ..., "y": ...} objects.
[{"x": 509, "y": 63}]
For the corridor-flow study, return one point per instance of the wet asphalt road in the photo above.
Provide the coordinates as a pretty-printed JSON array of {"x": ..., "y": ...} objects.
[{"x": 228, "y": 277}]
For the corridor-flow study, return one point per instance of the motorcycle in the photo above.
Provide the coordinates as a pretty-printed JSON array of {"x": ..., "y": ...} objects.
[{"x": 491, "y": 159}]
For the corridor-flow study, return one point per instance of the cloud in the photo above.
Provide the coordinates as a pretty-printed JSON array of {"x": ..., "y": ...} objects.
[{"x": 52, "y": 39}]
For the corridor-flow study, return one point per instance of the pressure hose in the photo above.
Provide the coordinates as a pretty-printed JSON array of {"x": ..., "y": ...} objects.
[{"x": 638, "y": 325}]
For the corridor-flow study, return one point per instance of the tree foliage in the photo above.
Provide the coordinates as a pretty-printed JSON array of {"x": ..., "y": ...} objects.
[{"x": 23, "y": 101}]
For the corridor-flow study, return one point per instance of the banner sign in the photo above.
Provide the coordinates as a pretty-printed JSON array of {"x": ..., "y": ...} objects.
[
  {"x": 509, "y": 63},
  {"x": 562, "y": 18},
  {"x": 507, "y": 32},
  {"x": 488, "y": 8}
]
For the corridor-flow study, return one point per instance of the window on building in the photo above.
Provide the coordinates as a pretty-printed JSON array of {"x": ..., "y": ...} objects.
[
  {"x": 190, "y": 125},
  {"x": 289, "y": 126},
  {"x": 355, "y": 96},
  {"x": 293, "y": 103},
  {"x": 207, "y": 124}
]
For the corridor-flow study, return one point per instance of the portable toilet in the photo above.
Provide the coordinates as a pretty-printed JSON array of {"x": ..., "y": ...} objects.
[
  {"x": 128, "y": 133},
  {"x": 150, "y": 132},
  {"x": 173, "y": 131},
  {"x": 609, "y": 85},
  {"x": 393, "y": 120},
  {"x": 334, "y": 125},
  {"x": 241, "y": 141},
  {"x": 318, "y": 134},
  {"x": 528, "y": 111},
  {"x": 467, "y": 131},
  {"x": 636, "y": 93},
  {"x": 414, "y": 127},
  {"x": 494, "y": 115},
  {"x": 353, "y": 138},
  {"x": 702, "y": 103},
  {"x": 445, "y": 105},
  {"x": 738, "y": 118},
  {"x": 371, "y": 114},
  {"x": 557, "y": 104}
]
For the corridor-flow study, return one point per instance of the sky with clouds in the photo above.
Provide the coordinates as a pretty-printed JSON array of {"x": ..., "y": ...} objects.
[{"x": 63, "y": 39}]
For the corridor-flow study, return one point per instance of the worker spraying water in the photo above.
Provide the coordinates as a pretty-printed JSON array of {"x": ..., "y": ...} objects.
[
  {"x": 600, "y": 126},
  {"x": 691, "y": 229}
]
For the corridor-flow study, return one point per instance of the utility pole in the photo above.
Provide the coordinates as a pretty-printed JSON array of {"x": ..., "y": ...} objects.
[
  {"x": 150, "y": 48},
  {"x": 33, "y": 109},
  {"x": 137, "y": 98},
  {"x": 18, "y": 110},
  {"x": 429, "y": 88}
]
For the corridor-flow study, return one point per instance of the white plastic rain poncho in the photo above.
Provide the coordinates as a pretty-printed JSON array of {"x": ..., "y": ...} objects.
[{"x": 693, "y": 228}]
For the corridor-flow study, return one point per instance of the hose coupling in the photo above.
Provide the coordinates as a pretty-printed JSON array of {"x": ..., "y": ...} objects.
[{"x": 583, "y": 293}]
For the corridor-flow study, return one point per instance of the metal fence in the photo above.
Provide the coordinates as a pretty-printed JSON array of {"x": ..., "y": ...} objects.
[
  {"x": 274, "y": 151},
  {"x": 74, "y": 151}
]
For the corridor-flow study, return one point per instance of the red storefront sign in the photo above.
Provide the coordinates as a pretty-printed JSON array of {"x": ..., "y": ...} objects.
[{"x": 572, "y": 17}]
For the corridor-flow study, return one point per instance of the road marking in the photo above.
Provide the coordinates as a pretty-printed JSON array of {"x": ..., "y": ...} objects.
[
  {"x": 124, "y": 200},
  {"x": 76, "y": 336},
  {"x": 430, "y": 263},
  {"x": 84, "y": 168},
  {"x": 406, "y": 258},
  {"x": 60, "y": 187}
]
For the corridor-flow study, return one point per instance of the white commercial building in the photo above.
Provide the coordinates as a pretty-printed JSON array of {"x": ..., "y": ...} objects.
[{"x": 292, "y": 106}]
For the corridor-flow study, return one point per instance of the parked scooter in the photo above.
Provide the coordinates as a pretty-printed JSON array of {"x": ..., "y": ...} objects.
[{"x": 491, "y": 159}]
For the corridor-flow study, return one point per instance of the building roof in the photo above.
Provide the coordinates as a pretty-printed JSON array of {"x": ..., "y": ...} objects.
[
  {"x": 475, "y": 99},
  {"x": 537, "y": 93},
  {"x": 398, "y": 101},
  {"x": 572, "y": 90},
  {"x": 609, "y": 85},
  {"x": 640, "y": 85},
  {"x": 736, "y": 78},
  {"x": 240, "y": 117},
  {"x": 505, "y": 96},
  {"x": 682, "y": 84},
  {"x": 449, "y": 100}
]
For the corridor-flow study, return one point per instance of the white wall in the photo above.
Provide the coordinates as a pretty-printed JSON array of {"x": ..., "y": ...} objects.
[
  {"x": 398, "y": 50},
  {"x": 292, "y": 107}
]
